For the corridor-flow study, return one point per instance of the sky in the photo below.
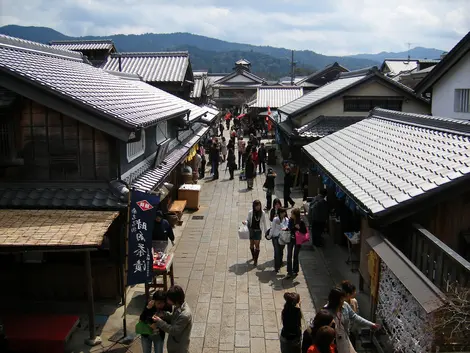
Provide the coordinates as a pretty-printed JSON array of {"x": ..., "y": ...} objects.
[{"x": 330, "y": 27}]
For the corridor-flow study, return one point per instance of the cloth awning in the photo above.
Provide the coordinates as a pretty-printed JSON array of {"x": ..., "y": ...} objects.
[
  {"x": 424, "y": 291},
  {"x": 241, "y": 116},
  {"x": 54, "y": 228}
]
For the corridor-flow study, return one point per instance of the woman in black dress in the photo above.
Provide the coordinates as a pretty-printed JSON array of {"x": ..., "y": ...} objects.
[
  {"x": 256, "y": 222},
  {"x": 250, "y": 169}
]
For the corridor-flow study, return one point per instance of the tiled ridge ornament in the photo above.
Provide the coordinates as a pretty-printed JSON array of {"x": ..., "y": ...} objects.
[{"x": 391, "y": 157}]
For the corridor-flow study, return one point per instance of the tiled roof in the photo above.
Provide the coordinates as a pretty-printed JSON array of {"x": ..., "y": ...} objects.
[
  {"x": 152, "y": 178},
  {"x": 344, "y": 82},
  {"x": 326, "y": 125},
  {"x": 76, "y": 45},
  {"x": 198, "y": 85},
  {"x": 242, "y": 62},
  {"x": 212, "y": 78},
  {"x": 53, "y": 196},
  {"x": 54, "y": 228},
  {"x": 153, "y": 67},
  {"x": 318, "y": 95},
  {"x": 63, "y": 74},
  {"x": 276, "y": 96},
  {"x": 398, "y": 66},
  {"x": 320, "y": 73},
  {"x": 461, "y": 49},
  {"x": 245, "y": 73},
  {"x": 212, "y": 112},
  {"x": 391, "y": 159}
]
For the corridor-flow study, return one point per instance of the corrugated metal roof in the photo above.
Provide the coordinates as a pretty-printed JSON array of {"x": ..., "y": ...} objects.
[
  {"x": 391, "y": 159},
  {"x": 64, "y": 74},
  {"x": 78, "y": 45},
  {"x": 153, "y": 67},
  {"x": 276, "y": 96},
  {"x": 321, "y": 93}
]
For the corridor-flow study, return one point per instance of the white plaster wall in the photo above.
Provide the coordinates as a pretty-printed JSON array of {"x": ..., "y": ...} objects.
[
  {"x": 443, "y": 90},
  {"x": 335, "y": 107}
]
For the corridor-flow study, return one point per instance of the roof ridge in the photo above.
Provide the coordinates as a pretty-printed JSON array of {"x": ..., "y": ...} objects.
[
  {"x": 361, "y": 72},
  {"x": 447, "y": 125},
  {"x": 78, "y": 41},
  {"x": 150, "y": 54},
  {"x": 38, "y": 48}
]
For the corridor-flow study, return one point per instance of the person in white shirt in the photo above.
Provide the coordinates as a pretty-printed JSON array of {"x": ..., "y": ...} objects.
[{"x": 279, "y": 223}]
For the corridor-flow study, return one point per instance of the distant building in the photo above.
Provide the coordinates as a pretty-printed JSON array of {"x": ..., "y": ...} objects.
[
  {"x": 448, "y": 84},
  {"x": 321, "y": 77},
  {"x": 97, "y": 51},
  {"x": 408, "y": 71},
  {"x": 198, "y": 94},
  {"x": 169, "y": 71}
]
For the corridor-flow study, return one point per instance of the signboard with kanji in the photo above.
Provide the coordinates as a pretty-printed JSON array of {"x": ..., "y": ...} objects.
[{"x": 141, "y": 222}]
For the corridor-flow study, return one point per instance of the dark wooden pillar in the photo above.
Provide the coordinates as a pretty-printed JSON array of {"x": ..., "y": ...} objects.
[{"x": 93, "y": 340}]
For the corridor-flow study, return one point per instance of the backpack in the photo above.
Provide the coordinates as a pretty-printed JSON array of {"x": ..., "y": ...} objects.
[{"x": 318, "y": 211}]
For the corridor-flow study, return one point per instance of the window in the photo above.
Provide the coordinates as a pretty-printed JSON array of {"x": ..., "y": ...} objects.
[
  {"x": 462, "y": 100},
  {"x": 365, "y": 104},
  {"x": 161, "y": 132},
  {"x": 136, "y": 149}
]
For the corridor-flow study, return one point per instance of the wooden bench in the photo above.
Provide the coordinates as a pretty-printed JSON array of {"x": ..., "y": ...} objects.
[{"x": 178, "y": 207}]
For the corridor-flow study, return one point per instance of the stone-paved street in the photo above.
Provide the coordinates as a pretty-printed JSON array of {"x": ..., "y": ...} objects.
[{"x": 236, "y": 306}]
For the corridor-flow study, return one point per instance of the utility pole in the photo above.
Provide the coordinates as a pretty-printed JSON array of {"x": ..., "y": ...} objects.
[
  {"x": 292, "y": 69},
  {"x": 409, "y": 48}
]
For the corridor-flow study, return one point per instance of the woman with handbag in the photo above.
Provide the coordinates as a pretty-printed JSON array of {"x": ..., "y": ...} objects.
[
  {"x": 296, "y": 224},
  {"x": 256, "y": 222},
  {"x": 278, "y": 224}
]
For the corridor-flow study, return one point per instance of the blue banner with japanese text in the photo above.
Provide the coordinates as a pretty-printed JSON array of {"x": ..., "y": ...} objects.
[{"x": 141, "y": 222}]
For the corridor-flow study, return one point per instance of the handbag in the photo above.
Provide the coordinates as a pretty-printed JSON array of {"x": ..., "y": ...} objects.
[
  {"x": 141, "y": 328},
  {"x": 284, "y": 237},
  {"x": 243, "y": 232},
  {"x": 301, "y": 238},
  {"x": 268, "y": 235}
]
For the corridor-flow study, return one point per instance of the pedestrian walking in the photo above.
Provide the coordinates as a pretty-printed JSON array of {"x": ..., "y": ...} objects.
[
  {"x": 215, "y": 156},
  {"x": 296, "y": 224},
  {"x": 233, "y": 135},
  {"x": 262, "y": 155},
  {"x": 256, "y": 222},
  {"x": 275, "y": 210},
  {"x": 227, "y": 121},
  {"x": 202, "y": 170},
  {"x": 322, "y": 318},
  {"x": 180, "y": 321},
  {"x": 250, "y": 170},
  {"x": 241, "y": 151},
  {"x": 221, "y": 128},
  {"x": 269, "y": 186},
  {"x": 150, "y": 335},
  {"x": 288, "y": 183},
  {"x": 278, "y": 224},
  {"x": 291, "y": 324},
  {"x": 197, "y": 160},
  {"x": 258, "y": 136},
  {"x": 231, "y": 164},
  {"x": 324, "y": 341},
  {"x": 240, "y": 132},
  {"x": 254, "y": 154},
  {"x": 318, "y": 214},
  {"x": 223, "y": 149},
  {"x": 344, "y": 316}
]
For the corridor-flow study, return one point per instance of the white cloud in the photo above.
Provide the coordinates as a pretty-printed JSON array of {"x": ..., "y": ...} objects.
[{"x": 337, "y": 27}]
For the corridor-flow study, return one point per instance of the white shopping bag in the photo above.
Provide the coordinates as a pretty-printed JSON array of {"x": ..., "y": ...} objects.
[{"x": 243, "y": 232}]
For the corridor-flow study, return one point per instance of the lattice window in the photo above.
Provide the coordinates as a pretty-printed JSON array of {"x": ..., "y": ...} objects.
[
  {"x": 365, "y": 104},
  {"x": 462, "y": 100},
  {"x": 5, "y": 141},
  {"x": 136, "y": 149},
  {"x": 407, "y": 324}
]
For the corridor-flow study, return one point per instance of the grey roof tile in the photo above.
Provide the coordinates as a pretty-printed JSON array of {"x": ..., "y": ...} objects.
[
  {"x": 276, "y": 96},
  {"x": 152, "y": 67},
  {"x": 65, "y": 74},
  {"x": 198, "y": 86},
  {"x": 77, "y": 45},
  {"x": 156, "y": 176},
  {"x": 391, "y": 158},
  {"x": 21, "y": 195}
]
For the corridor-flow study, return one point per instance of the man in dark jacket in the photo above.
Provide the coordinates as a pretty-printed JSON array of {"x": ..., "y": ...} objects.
[
  {"x": 317, "y": 217},
  {"x": 262, "y": 158},
  {"x": 215, "y": 157},
  {"x": 269, "y": 185},
  {"x": 231, "y": 164},
  {"x": 288, "y": 183},
  {"x": 162, "y": 230}
]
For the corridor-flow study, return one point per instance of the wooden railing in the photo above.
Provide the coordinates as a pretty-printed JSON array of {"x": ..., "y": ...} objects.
[{"x": 438, "y": 262}]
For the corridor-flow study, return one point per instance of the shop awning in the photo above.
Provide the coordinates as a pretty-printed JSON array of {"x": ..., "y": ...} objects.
[
  {"x": 62, "y": 229},
  {"x": 425, "y": 292}
]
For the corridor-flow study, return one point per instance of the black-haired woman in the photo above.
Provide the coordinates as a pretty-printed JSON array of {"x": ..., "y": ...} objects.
[
  {"x": 250, "y": 170},
  {"x": 279, "y": 223},
  {"x": 323, "y": 318},
  {"x": 277, "y": 204},
  {"x": 256, "y": 222},
  {"x": 269, "y": 185},
  {"x": 344, "y": 316},
  {"x": 291, "y": 324},
  {"x": 231, "y": 164},
  {"x": 296, "y": 224}
]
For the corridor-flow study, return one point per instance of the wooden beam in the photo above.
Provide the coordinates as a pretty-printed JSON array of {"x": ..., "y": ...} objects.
[{"x": 92, "y": 340}]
